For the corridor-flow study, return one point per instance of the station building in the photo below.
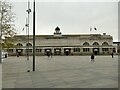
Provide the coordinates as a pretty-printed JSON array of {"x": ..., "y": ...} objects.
[{"x": 61, "y": 44}]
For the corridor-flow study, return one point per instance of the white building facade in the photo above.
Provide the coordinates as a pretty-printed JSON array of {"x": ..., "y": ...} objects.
[{"x": 59, "y": 44}]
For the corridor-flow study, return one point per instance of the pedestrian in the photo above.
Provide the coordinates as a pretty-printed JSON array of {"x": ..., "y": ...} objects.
[
  {"x": 17, "y": 54},
  {"x": 51, "y": 54},
  {"x": 6, "y": 55},
  {"x": 48, "y": 54},
  {"x": 112, "y": 55},
  {"x": 92, "y": 58}
]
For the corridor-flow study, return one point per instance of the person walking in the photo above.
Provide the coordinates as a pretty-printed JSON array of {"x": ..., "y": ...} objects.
[
  {"x": 51, "y": 54},
  {"x": 17, "y": 54},
  {"x": 6, "y": 55},
  {"x": 48, "y": 54},
  {"x": 92, "y": 58},
  {"x": 112, "y": 55}
]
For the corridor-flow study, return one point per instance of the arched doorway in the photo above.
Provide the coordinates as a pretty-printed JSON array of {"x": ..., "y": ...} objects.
[
  {"x": 67, "y": 51},
  {"x": 47, "y": 51},
  {"x": 57, "y": 51},
  {"x": 96, "y": 51},
  {"x": 19, "y": 51}
]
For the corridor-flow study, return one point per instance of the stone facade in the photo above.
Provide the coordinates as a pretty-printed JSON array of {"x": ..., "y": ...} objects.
[{"x": 60, "y": 44}]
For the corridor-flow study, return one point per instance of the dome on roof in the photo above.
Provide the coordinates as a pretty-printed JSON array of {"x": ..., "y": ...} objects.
[
  {"x": 57, "y": 31},
  {"x": 57, "y": 28}
]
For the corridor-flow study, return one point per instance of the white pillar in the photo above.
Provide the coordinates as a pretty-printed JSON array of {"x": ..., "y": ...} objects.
[
  {"x": 62, "y": 51},
  {"x": 100, "y": 50},
  {"x": 72, "y": 50},
  {"x": 43, "y": 51},
  {"x": 52, "y": 50},
  {"x": 81, "y": 50},
  {"x": 24, "y": 51},
  {"x": 14, "y": 51}
]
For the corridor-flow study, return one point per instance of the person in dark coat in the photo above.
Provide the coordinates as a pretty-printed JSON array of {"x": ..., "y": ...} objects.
[
  {"x": 5, "y": 55},
  {"x": 48, "y": 54},
  {"x": 92, "y": 58},
  {"x": 17, "y": 54},
  {"x": 51, "y": 54},
  {"x": 112, "y": 55}
]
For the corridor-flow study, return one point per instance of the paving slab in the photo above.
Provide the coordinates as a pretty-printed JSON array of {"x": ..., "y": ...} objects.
[{"x": 60, "y": 72}]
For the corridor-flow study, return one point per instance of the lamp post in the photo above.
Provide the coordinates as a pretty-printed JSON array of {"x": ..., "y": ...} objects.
[
  {"x": 27, "y": 25},
  {"x": 26, "y": 39},
  {"x": 34, "y": 35}
]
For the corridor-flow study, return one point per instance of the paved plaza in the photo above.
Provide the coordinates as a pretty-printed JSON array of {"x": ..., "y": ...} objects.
[{"x": 60, "y": 72}]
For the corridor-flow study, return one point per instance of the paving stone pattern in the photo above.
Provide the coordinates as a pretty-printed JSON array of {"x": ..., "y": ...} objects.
[{"x": 60, "y": 72}]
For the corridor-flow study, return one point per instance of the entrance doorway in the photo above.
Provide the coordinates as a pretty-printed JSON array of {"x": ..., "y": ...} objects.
[
  {"x": 47, "y": 51},
  {"x": 67, "y": 51},
  {"x": 57, "y": 51},
  {"x": 19, "y": 51},
  {"x": 96, "y": 51}
]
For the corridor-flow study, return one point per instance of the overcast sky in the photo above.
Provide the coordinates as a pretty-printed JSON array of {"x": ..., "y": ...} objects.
[{"x": 72, "y": 17}]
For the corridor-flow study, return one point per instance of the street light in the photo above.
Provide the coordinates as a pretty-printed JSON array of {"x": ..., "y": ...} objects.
[
  {"x": 34, "y": 35},
  {"x": 27, "y": 25}
]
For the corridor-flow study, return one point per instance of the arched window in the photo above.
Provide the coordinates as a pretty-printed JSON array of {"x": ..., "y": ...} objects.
[
  {"x": 105, "y": 43},
  {"x": 95, "y": 43},
  {"x": 28, "y": 44},
  {"x": 19, "y": 45},
  {"x": 86, "y": 44}
]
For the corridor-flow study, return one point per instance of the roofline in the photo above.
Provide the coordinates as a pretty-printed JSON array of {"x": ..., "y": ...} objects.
[
  {"x": 116, "y": 42},
  {"x": 64, "y": 35}
]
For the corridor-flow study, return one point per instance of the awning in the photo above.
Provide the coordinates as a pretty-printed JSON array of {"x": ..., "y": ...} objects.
[
  {"x": 48, "y": 50},
  {"x": 19, "y": 50},
  {"x": 95, "y": 49},
  {"x": 66, "y": 50},
  {"x": 57, "y": 50}
]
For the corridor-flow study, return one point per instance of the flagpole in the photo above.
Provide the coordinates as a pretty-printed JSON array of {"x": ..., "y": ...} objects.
[
  {"x": 90, "y": 30},
  {"x": 28, "y": 31},
  {"x": 26, "y": 39}
]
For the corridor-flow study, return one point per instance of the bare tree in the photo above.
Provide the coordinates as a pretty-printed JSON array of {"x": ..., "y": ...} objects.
[
  {"x": 7, "y": 18},
  {"x": 6, "y": 22}
]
